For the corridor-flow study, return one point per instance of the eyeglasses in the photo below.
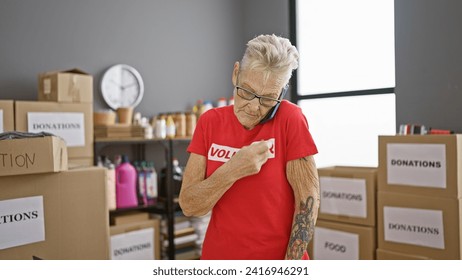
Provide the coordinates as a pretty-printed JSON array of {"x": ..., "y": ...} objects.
[{"x": 264, "y": 100}]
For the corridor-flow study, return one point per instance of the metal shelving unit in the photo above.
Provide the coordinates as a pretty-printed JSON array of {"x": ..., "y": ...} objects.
[{"x": 167, "y": 207}]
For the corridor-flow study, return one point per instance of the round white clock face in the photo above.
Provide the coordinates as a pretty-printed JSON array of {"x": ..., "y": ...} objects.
[{"x": 122, "y": 86}]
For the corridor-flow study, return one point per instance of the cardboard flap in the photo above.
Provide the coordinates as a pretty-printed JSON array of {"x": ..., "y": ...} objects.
[
  {"x": 71, "y": 71},
  {"x": 76, "y": 71}
]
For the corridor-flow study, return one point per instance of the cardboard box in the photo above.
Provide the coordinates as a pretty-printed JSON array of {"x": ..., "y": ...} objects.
[
  {"x": 419, "y": 225},
  {"x": 70, "y": 86},
  {"x": 348, "y": 194},
  {"x": 129, "y": 217},
  {"x": 340, "y": 241},
  {"x": 57, "y": 216},
  {"x": 77, "y": 162},
  {"x": 6, "y": 115},
  {"x": 390, "y": 255},
  {"x": 135, "y": 241},
  {"x": 71, "y": 121},
  {"x": 421, "y": 164},
  {"x": 32, "y": 155}
]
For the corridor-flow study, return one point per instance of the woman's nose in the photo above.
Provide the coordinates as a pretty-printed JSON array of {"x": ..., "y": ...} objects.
[{"x": 254, "y": 104}]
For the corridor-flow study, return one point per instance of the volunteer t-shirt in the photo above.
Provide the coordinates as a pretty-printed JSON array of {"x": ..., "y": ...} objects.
[{"x": 253, "y": 219}]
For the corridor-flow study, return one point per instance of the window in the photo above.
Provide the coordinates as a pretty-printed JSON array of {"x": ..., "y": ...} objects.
[{"x": 346, "y": 77}]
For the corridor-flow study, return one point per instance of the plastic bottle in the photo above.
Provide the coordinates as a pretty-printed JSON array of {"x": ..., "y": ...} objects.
[
  {"x": 221, "y": 102},
  {"x": 141, "y": 174},
  {"x": 177, "y": 172},
  {"x": 126, "y": 184},
  {"x": 180, "y": 124},
  {"x": 190, "y": 124},
  {"x": 117, "y": 160},
  {"x": 148, "y": 132},
  {"x": 198, "y": 108},
  {"x": 99, "y": 161},
  {"x": 231, "y": 101},
  {"x": 171, "y": 129},
  {"x": 207, "y": 106},
  {"x": 161, "y": 127},
  {"x": 151, "y": 184},
  {"x": 177, "y": 179},
  {"x": 137, "y": 118}
]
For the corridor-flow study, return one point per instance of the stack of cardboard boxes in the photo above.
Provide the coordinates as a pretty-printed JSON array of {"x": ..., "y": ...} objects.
[
  {"x": 65, "y": 108},
  {"x": 419, "y": 206},
  {"x": 346, "y": 225},
  {"x": 47, "y": 212}
]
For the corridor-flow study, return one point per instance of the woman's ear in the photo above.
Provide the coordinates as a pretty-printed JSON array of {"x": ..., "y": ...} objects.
[{"x": 235, "y": 73}]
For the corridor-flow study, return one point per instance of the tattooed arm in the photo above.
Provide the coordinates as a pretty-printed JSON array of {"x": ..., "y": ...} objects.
[{"x": 303, "y": 177}]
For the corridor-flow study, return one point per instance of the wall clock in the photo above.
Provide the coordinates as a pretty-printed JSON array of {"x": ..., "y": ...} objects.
[{"x": 122, "y": 86}]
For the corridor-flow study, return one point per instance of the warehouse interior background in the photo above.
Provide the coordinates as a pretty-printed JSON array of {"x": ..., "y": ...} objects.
[{"x": 185, "y": 51}]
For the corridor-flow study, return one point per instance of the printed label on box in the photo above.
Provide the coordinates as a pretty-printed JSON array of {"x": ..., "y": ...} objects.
[
  {"x": 69, "y": 126},
  {"x": 134, "y": 245},
  {"x": 343, "y": 196},
  {"x": 22, "y": 221},
  {"x": 422, "y": 165},
  {"x": 420, "y": 227},
  {"x": 331, "y": 244},
  {"x": 1, "y": 120}
]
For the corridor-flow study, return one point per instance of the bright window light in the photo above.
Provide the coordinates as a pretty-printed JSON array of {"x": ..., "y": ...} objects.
[
  {"x": 345, "y": 45},
  {"x": 347, "y": 60},
  {"x": 346, "y": 129}
]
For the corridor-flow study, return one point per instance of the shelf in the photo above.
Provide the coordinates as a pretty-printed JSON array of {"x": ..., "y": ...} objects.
[
  {"x": 134, "y": 140},
  {"x": 158, "y": 208},
  {"x": 164, "y": 206}
]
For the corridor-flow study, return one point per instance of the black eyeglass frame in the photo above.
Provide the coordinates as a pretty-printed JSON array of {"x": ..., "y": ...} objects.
[{"x": 278, "y": 100}]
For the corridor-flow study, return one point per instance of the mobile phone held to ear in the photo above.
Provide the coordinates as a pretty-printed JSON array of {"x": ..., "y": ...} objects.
[{"x": 272, "y": 112}]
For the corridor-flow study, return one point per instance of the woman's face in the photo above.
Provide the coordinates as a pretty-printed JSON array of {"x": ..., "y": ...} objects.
[{"x": 251, "y": 112}]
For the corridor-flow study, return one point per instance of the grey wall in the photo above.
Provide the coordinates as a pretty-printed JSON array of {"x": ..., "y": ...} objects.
[
  {"x": 266, "y": 17},
  {"x": 184, "y": 50},
  {"x": 429, "y": 63}
]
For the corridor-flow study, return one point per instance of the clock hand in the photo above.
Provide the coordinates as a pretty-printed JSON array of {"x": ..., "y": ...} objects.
[
  {"x": 128, "y": 86},
  {"x": 117, "y": 84}
]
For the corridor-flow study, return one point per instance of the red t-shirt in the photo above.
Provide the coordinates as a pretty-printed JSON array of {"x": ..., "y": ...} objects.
[{"x": 253, "y": 219}]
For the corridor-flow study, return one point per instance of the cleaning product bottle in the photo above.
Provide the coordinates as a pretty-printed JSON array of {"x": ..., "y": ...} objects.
[
  {"x": 126, "y": 184},
  {"x": 151, "y": 183},
  {"x": 177, "y": 179},
  {"x": 177, "y": 176},
  {"x": 141, "y": 173}
]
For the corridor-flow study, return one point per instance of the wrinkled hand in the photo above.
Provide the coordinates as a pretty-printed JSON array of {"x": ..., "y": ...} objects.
[{"x": 250, "y": 159}]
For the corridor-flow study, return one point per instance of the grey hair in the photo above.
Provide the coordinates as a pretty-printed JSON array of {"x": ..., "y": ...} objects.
[{"x": 271, "y": 54}]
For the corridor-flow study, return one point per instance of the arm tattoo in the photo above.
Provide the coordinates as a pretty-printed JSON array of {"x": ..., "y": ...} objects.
[{"x": 302, "y": 230}]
